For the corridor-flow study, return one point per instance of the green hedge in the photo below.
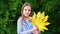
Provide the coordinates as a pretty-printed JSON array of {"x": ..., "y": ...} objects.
[{"x": 10, "y": 11}]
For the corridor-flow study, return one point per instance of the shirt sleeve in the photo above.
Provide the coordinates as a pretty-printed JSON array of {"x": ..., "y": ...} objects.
[{"x": 19, "y": 28}]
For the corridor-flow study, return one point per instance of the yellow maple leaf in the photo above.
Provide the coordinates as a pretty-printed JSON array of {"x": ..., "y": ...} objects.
[{"x": 40, "y": 20}]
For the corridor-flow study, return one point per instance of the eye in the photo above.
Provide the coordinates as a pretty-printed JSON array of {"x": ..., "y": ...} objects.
[
  {"x": 25, "y": 9},
  {"x": 29, "y": 10}
]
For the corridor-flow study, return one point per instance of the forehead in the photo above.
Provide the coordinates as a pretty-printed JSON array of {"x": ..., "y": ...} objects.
[{"x": 27, "y": 7}]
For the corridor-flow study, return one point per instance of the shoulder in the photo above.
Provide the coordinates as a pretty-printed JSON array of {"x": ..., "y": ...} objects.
[
  {"x": 30, "y": 18},
  {"x": 19, "y": 19}
]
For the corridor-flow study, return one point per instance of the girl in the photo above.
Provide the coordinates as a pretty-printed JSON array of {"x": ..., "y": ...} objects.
[{"x": 23, "y": 25}]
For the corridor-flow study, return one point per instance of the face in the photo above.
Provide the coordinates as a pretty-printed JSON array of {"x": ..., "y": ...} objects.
[{"x": 26, "y": 11}]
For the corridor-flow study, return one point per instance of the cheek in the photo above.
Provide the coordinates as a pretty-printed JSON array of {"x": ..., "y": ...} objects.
[
  {"x": 29, "y": 12},
  {"x": 24, "y": 12}
]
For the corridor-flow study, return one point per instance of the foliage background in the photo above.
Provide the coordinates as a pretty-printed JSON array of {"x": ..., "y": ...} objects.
[{"x": 10, "y": 11}]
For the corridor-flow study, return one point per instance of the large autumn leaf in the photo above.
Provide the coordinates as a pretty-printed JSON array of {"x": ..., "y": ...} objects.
[{"x": 40, "y": 20}]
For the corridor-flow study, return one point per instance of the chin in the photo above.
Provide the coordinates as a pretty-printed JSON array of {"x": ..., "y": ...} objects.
[{"x": 26, "y": 16}]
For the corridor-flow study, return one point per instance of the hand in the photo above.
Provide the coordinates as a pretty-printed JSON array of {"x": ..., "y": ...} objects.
[
  {"x": 34, "y": 29},
  {"x": 36, "y": 32}
]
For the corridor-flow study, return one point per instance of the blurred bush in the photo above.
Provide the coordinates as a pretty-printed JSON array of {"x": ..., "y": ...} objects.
[{"x": 10, "y": 11}]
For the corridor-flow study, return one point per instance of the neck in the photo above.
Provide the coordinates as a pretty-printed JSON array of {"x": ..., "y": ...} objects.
[{"x": 24, "y": 17}]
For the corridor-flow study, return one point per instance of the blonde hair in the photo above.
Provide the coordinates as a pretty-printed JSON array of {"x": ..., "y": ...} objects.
[{"x": 25, "y": 4}]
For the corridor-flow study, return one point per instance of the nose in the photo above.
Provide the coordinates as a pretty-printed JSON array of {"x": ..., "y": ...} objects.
[{"x": 27, "y": 11}]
